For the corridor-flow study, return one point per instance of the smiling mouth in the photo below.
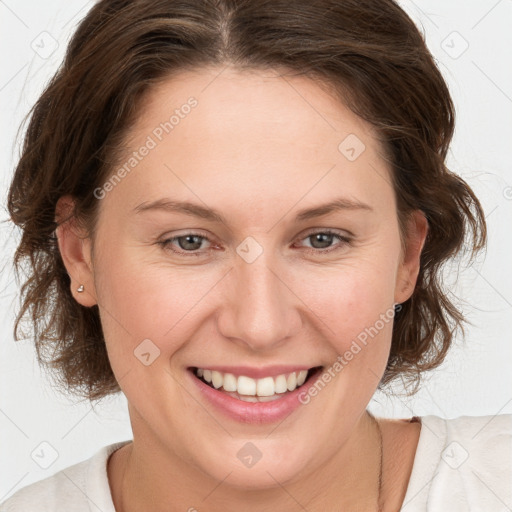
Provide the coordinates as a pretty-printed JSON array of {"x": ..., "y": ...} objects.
[{"x": 247, "y": 389}]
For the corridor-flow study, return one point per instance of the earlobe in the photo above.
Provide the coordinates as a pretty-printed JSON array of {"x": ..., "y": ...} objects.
[
  {"x": 417, "y": 230},
  {"x": 75, "y": 251}
]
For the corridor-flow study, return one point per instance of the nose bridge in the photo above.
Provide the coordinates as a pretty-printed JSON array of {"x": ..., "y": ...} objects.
[{"x": 260, "y": 311}]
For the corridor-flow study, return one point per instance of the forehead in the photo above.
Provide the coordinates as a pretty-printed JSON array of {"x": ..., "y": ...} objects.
[
  {"x": 254, "y": 132},
  {"x": 251, "y": 103}
]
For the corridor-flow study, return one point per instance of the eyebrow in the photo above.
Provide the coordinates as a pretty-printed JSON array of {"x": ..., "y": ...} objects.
[{"x": 196, "y": 210}]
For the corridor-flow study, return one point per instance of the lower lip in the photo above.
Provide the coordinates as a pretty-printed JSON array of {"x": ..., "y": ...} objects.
[{"x": 254, "y": 412}]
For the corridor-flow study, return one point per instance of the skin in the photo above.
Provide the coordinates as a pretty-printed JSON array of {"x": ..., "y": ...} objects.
[{"x": 258, "y": 148}]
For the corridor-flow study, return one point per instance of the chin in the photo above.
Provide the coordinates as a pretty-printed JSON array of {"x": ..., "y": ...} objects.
[{"x": 253, "y": 466}]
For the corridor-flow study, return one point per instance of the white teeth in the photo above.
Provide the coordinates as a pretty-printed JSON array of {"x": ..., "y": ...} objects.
[
  {"x": 291, "y": 381},
  {"x": 265, "y": 388},
  {"x": 217, "y": 379},
  {"x": 246, "y": 385},
  {"x": 281, "y": 386},
  {"x": 301, "y": 378},
  {"x": 229, "y": 382}
]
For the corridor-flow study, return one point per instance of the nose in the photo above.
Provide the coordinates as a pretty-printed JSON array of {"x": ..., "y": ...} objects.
[{"x": 259, "y": 310}]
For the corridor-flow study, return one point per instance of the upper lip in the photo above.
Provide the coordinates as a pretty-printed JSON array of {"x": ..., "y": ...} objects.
[{"x": 258, "y": 373}]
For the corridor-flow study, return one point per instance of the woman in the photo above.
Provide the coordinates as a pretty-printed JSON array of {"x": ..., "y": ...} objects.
[{"x": 236, "y": 213}]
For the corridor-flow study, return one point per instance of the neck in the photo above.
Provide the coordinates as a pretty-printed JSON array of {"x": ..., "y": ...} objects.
[{"x": 350, "y": 479}]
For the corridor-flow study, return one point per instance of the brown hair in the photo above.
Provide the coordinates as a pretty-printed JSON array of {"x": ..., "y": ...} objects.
[{"x": 367, "y": 51}]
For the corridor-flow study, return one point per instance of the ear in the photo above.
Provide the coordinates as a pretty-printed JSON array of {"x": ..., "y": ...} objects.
[
  {"x": 75, "y": 250},
  {"x": 408, "y": 270}
]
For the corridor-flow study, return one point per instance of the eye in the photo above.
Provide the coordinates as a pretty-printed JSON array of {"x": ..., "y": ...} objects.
[
  {"x": 322, "y": 241},
  {"x": 189, "y": 244}
]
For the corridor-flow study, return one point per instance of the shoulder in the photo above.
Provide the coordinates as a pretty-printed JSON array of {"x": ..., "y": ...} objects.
[
  {"x": 79, "y": 488},
  {"x": 462, "y": 461}
]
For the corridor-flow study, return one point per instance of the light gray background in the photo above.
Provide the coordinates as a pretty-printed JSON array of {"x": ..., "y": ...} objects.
[{"x": 476, "y": 378}]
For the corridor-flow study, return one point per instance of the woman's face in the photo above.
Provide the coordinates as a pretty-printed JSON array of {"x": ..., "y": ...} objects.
[{"x": 249, "y": 290}]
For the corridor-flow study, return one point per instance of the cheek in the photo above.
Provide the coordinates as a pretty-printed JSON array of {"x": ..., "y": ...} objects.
[
  {"x": 141, "y": 300},
  {"x": 146, "y": 317},
  {"x": 356, "y": 294},
  {"x": 355, "y": 305}
]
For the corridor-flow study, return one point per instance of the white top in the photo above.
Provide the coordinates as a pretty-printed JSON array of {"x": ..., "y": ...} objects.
[{"x": 462, "y": 464}]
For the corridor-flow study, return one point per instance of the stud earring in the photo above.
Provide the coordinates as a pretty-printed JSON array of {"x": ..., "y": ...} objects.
[{"x": 80, "y": 289}]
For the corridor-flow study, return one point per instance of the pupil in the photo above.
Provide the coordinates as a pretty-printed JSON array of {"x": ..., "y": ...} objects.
[
  {"x": 188, "y": 237},
  {"x": 326, "y": 243}
]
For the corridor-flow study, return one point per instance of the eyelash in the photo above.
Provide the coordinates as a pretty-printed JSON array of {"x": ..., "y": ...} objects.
[{"x": 166, "y": 244}]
